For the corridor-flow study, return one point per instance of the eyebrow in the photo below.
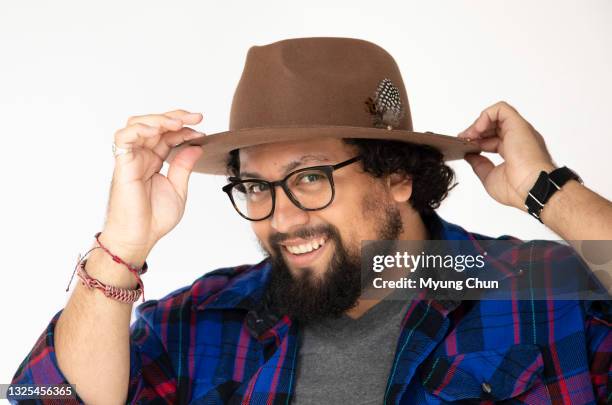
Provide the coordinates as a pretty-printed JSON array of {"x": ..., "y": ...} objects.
[{"x": 289, "y": 166}]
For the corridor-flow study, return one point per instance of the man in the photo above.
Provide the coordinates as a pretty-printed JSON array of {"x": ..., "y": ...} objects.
[{"x": 321, "y": 156}]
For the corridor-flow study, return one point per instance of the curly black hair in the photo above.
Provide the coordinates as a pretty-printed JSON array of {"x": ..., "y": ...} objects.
[{"x": 431, "y": 177}]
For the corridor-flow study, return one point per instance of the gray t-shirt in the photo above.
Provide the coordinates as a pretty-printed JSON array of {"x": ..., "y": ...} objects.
[{"x": 348, "y": 360}]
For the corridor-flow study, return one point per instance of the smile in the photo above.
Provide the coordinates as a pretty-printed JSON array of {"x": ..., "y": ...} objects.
[
  {"x": 305, "y": 247},
  {"x": 302, "y": 253}
]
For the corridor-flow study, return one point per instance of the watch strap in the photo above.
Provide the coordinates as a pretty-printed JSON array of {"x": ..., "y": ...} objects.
[
  {"x": 536, "y": 198},
  {"x": 562, "y": 175},
  {"x": 546, "y": 185}
]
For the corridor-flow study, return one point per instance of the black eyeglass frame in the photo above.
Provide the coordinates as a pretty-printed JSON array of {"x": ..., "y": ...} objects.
[{"x": 327, "y": 169}]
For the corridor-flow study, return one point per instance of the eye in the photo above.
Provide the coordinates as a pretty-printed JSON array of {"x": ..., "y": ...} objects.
[
  {"x": 238, "y": 188},
  {"x": 255, "y": 188},
  {"x": 311, "y": 177}
]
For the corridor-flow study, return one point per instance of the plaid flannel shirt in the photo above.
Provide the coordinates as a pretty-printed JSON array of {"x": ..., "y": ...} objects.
[{"x": 211, "y": 342}]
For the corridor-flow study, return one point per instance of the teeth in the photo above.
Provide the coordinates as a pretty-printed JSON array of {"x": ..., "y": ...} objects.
[{"x": 306, "y": 247}]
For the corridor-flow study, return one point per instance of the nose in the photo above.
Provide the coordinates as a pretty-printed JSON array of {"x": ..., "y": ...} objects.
[{"x": 286, "y": 215}]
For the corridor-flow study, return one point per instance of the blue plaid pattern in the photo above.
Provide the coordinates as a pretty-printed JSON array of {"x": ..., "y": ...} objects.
[{"x": 198, "y": 345}]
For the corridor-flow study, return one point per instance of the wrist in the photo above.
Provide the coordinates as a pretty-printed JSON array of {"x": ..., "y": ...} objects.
[
  {"x": 530, "y": 181},
  {"x": 550, "y": 210},
  {"x": 109, "y": 260},
  {"x": 547, "y": 185},
  {"x": 100, "y": 265},
  {"x": 132, "y": 254}
]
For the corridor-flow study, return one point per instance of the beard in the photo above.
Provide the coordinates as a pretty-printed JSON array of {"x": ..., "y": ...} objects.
[{"x": 308, "y": 298}]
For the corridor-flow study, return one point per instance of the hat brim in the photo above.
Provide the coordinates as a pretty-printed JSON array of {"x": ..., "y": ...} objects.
[{"x": 217, "y": 146}]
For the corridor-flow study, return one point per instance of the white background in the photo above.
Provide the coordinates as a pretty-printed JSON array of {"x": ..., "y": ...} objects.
[{"x": 71, "y": 73}]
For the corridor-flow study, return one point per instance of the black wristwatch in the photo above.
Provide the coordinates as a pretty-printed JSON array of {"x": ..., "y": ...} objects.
[{"x": 546, "y": 186}]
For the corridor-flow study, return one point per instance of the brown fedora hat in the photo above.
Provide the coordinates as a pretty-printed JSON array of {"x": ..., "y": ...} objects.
[{"x": 313, "y": 87}]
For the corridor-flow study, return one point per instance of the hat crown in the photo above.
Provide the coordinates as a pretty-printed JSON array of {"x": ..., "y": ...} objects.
[{"x": 314, "y": 82}]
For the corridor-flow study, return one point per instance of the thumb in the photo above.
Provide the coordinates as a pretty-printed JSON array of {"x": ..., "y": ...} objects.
[
  {"x": 481, "y": 165},
  {"x": 181, "y": 167}
]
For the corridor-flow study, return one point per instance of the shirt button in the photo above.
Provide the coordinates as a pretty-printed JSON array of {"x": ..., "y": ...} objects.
[{"x": 486, "y": 387}]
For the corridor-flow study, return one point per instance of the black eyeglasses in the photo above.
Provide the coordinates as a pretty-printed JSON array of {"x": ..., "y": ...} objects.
[{"x": 309, "y": 188}]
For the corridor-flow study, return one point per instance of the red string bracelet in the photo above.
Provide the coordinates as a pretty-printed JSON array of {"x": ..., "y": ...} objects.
[
  {"x": 117, "y": 259},
  {"x": 133, "y": 269}
]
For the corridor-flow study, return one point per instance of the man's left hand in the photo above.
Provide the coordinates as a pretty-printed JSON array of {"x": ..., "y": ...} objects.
[{"x": 501, "y": 129}]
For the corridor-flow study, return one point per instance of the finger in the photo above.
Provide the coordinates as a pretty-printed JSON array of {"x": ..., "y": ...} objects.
[
  {"x": 171, "y": 139},
  {"x": 147, "y": 135},
  {"x": 188, "y": 118},
  {"x": 150, "y": 137},
  {"x": 135, "y": 135},
  {"x": 180, "y": 168},
  {"x": 492, "y": 144},
  {"x": 505, "y": 117},
  {"x": 497, "y": 119},
  {"x": 481, "y": 165},
  {"x": 468, "y": 132},
  {"x": 465, "y": 132},
  {"x": 157, "y": 120},
  {"x": 482, "y": 127}
]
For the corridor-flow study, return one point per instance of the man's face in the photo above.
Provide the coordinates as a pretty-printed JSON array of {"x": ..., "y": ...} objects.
[{"x": 316, "y": 254}]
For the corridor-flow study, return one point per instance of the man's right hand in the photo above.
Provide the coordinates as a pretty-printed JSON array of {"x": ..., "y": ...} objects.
[{"x": 145, "y": 205}]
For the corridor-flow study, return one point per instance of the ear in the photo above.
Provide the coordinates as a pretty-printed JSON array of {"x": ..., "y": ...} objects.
[{"x": 400, "y": 186}]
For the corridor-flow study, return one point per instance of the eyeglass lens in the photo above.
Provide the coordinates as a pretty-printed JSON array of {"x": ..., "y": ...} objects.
[{"x": 311, "y": 189}]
